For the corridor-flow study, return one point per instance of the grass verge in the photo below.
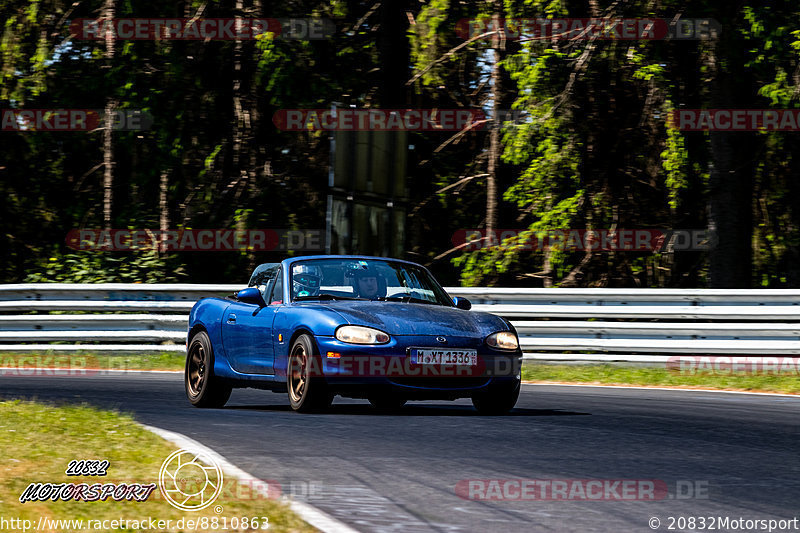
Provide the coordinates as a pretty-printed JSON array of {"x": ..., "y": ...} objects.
[
  {"x": 88, "y": 360},
  {"x": 607, "y": 374},
  {"x": 39, "y": 441}
]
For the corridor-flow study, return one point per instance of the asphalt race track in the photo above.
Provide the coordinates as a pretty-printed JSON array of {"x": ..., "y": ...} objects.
[{"x": 719, "y": 455}]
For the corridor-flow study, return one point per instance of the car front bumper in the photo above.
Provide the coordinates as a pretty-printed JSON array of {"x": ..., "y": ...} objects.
[{"x": 351, "y": 367}]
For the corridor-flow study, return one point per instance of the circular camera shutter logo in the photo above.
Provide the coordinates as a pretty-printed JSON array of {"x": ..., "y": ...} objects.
[{"x": 190, "y": 481}]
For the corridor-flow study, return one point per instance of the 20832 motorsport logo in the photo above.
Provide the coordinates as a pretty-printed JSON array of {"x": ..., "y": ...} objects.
[{"x": 190, "y": 481}]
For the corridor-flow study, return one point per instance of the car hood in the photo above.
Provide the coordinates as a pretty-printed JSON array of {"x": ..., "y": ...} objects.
[{"x": 396, "y": 318}]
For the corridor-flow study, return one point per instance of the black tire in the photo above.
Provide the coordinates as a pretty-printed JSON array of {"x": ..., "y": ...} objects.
[
  {"x": 203, "y": 388},
  {"x": 307, "y": 393},
  {"x": 386, "y": 402},
  {"x": 497, "y": 400}
]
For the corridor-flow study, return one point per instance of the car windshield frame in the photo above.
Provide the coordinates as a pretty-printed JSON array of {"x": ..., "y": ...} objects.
[{"x": 427, "y": 281}]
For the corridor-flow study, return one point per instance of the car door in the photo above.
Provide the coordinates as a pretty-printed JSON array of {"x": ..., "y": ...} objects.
[{"x": 247, "y": 332}]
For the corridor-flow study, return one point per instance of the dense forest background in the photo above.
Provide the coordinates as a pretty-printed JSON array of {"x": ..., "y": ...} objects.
[{"x": 595, "y": 149}]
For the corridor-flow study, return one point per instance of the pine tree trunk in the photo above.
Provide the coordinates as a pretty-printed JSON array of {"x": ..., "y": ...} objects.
[
  {"x": 243, "y": 151},
  {"x": 163, "y": 206},
  {"x": 494, "y": 135},
  {"x": 792, "y": 260},
  {"x": 239, "y": 122},
  {"x": 109, "y": 10},
  {"x": 730, "y": 208}
]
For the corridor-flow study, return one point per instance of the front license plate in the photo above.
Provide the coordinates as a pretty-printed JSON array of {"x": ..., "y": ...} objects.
[{"x": 433, "y": 356}]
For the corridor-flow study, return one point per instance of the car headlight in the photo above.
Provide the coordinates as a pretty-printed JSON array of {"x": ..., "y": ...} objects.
[
  {"x": 361, "y": 335},
  {"x": 505, "y": 340}
]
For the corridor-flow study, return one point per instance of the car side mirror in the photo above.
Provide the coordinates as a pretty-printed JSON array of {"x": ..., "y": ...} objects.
[
  {"x": 251, "y": 295},
  {"x": 462, "y": 303}
]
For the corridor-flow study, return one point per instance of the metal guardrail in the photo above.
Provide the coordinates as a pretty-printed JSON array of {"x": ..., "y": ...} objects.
[{"x": 642, "y": 325}]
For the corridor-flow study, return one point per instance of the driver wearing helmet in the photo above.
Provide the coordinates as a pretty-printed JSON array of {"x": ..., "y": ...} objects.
[
  {"x": 306, "y": 280},
  {"x": 368, "y": 284}
]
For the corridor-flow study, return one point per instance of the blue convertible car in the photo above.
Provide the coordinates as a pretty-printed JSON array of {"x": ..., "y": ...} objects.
[{"x": 358, "y": 327}]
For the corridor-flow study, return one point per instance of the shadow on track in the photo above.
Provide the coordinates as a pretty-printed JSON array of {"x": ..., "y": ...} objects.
[{"x": 409, "y": 410}]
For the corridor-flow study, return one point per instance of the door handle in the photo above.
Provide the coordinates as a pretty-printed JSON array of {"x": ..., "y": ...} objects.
[{"x": 231, "y": 319}]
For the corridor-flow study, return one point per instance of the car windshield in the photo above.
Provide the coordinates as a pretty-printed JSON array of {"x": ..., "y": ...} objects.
[{"x": 365, "y": 279}]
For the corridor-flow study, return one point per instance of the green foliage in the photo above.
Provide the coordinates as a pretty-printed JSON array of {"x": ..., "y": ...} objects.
[
  {"x": 675, "y": 161},
  {"x": 780, "y": 92},
  {"x": 101, "y": 267},
  {"x": 592, "y": 148},
  {"x": 549, "y": 188},
  {"x": 429, "y": 39},
  {"x": 597, "y": 150}
]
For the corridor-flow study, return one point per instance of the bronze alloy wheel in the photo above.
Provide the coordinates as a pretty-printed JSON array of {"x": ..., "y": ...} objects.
[
  {"x": 203, "y": 388},
  {"x": 307, "y": 392},
  {"x": 196, "y": 369},
  {"x": 298, "y": 373}
]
